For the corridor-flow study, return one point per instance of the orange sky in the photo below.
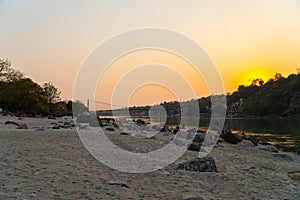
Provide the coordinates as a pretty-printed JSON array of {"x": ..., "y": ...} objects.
[{"x": 49, "y": 40}]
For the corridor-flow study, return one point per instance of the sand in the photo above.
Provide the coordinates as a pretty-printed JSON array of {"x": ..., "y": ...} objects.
[{"x": 54, "y": 164}]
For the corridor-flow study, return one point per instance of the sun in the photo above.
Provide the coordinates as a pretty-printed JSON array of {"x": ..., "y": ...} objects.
[
  {"x": 246, "y": 77},
  {"x": 255, "y": 75}
]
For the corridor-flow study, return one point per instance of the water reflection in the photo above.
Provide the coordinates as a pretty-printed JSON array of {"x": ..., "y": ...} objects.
[{"x": 274, "y": 131}]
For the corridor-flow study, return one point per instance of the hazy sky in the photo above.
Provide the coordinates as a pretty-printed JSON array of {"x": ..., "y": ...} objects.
[{"x": 49, "y": 40}]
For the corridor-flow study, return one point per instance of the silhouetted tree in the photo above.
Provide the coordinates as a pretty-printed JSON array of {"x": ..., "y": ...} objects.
[
  {"x": 7, "y": 73},
  {"x": 51, "y": 93}
]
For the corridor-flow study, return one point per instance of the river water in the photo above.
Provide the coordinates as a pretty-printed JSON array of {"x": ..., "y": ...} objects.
[{"x": 275, "y": 131}]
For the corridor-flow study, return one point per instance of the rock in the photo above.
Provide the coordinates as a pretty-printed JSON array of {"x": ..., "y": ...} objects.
[
  {"x": 231, "y": 138},
  {"x": 103, "y": 123},
  {"x": 247, "y": 143},
  {"x": 39, "y": 129},
  {"x": 13, "y": 123},
  {"x": 119, "y": 184},
  {"x": 110, "y": 129},
  {"x": 163, "y": 129},
  {"x": 199, "y": 137},
  {"x": 67, "y": 123},
  {"x": 194, "y": 146},
  {"x": 175, "y": 130},
  {"x": 283, "y": 156},
  {"x": 294, "y": 175},
  {"x": 61, "y": 125},
  {"x": 206, "y": 164},
  {"x": 51, "y": 117},
  {"x": 55, "y": 126},
  {"x": 268, "y": 148},
  {"x": 98, "y": 187},
  {"x": 253, "y": 140},
  {"x": 123, "y": 133},
  {"x": 22, "y": 126}
]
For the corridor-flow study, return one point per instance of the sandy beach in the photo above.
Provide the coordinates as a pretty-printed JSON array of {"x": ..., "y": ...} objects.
[{"x": 44, "y": 163}]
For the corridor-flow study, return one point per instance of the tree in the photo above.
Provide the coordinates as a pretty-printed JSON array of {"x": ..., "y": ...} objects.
[
  {"x": 7, "y": 73},
  {"x": 23, "y": 96},
  {"x": 257, "y": 82},
  {"x": 51, "y": 93},
  {"x": 277, "y": 76}
]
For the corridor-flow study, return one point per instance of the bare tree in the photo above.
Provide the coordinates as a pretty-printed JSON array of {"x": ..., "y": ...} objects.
[{"x": 7, "y": 73}]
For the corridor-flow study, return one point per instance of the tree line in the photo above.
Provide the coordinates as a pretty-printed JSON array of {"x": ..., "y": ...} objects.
[
  {"x": 20, "y": 95},
  {"x": 278, "y": 97}
]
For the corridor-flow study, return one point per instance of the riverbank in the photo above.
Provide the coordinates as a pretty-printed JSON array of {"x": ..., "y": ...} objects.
[{"x": 51, "y": 163}]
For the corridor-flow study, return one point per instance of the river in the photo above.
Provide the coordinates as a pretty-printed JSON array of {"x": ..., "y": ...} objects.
[{"x": 275, "y": 131}]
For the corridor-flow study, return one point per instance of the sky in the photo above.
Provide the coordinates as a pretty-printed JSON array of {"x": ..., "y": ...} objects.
[{"x": 50, "y": 40}]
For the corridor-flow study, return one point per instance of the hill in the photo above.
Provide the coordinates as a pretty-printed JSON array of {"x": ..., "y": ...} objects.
[{"x": 278, "y": 97}]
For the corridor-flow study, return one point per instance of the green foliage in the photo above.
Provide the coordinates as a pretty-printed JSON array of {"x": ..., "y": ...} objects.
[
  {"x": 23, "y": 96},
  {"x": 279, "y": 97},
  {"x": 51, "y": 93}
]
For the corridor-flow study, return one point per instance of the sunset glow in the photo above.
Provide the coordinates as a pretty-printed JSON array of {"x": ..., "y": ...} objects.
[{"x": 50, "y": 40}]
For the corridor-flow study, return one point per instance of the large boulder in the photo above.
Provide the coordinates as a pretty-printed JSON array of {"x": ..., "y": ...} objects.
[
  {"x": 254, "y": 140},
  {"x": 195, "y": 146},
  {"x": 163, "y": 129},
  {"x": 231, "y": 138},
  {"x": 206, "y": 164},
  {"x": 199, "y": 137},
  {"x": 247, "y": 143}
]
